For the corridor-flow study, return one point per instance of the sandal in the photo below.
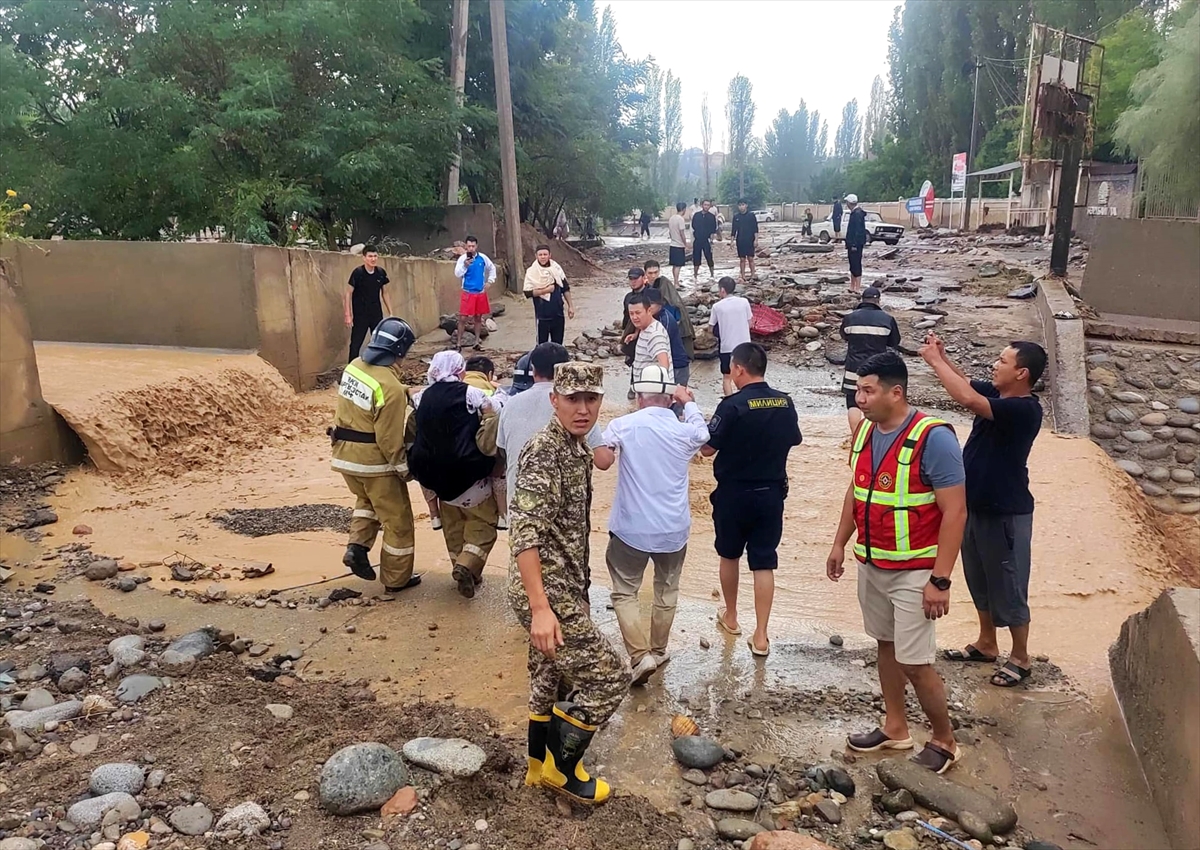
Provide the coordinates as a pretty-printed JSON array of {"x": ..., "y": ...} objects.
[
  {"x": 876, "y": 740},
  {"x": 755, "y": 651},
  {"x": 723, "y": 627},
  {"x": 1010, "y": 675},
  {"x": 936, "y": 758},
  {"x": 970, "y": 655}
]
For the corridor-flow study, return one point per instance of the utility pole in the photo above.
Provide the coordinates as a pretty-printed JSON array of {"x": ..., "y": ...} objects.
[
  {"x": 971, "y": 152},
  {"x": 1064, "y": 214},
  {"x": 458, "y": 74},
  {"x": 508, "y": 144}
]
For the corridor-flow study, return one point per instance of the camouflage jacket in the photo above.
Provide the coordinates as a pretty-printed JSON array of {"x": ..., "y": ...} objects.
[{"x": 551, "y": 511}]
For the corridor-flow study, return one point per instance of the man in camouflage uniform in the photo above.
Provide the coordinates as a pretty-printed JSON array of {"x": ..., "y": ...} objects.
[
  {"x": 548, "y": 580},
  {"x": 369, "y": 436}
]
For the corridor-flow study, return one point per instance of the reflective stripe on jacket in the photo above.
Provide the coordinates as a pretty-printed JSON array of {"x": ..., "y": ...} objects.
[
  {"x": 896, "y": 513},
  {"x": 371, "y": 399}
]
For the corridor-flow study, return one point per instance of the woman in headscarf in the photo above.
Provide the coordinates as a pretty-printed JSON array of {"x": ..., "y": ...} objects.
[{"x": 446, "y": 458}]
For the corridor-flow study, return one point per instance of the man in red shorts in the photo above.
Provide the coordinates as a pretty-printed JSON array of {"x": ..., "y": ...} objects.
[{"x": 477, "y": 272}]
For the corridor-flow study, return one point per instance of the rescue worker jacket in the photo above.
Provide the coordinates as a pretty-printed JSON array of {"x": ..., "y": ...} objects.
[
  {"x": 895, "y": 511},
  {"x": 445, "y": 457},
  {"x": 868, "y": 330},
  {"x": 479, "y": 381},
  {"x": 372, "y": 413}
]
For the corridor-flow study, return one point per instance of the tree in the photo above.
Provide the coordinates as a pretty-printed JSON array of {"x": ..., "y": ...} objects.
[
  {"x": 791, "y": 152},
  {"x": 750, "y": 183},
  {"x": 1134, "y": 45},
  {"x": 706, "y": 139},
  {"x": 739, "y": 114},
  {"x": 847, "y": 142},
  {"x": 672, "y": 135},
  {"x": 1163, "y": 125},
  {"x": 875, "y": 123}
]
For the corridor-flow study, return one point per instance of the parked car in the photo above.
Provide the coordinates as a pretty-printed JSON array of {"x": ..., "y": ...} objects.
[
  {"x": 878, "y": 230},
  {"x": 764, "y": 215}
]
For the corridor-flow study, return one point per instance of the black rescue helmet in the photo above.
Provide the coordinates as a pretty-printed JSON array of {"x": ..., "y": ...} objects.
[{"x": 390, "y": 342}]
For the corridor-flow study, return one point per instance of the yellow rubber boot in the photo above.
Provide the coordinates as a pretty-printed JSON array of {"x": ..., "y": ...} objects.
[
  {"x": 562, "y": 769},
  {"x": 539, "y": 726}
]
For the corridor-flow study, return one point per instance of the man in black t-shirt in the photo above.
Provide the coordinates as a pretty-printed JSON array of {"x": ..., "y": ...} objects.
[
  {"x": 547, "y": 285},
  {"x": 704, "y": 225},
  {"x": 751, "y": 433},
  {"x": 365, "y": 300},
  {"x": 745, "y": 236},
  {"x": 997, "y": 539}
]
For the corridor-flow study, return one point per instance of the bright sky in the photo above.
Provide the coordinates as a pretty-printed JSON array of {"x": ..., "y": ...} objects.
[{"x": 824, "y": 51}]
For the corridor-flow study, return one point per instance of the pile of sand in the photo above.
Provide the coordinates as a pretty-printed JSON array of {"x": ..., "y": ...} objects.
[{"x": 163, "y": 411}]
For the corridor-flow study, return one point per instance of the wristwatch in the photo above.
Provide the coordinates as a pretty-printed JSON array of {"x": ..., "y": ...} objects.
[{"x": 940, "y": 583}]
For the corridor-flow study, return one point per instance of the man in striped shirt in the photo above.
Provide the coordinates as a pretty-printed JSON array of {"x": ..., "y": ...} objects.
[
  {"x": 653, "y": 345},
  {"x": 868, "y": 330}
]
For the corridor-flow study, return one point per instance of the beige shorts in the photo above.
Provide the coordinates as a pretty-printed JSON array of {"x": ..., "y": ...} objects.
[{"x": 893, "y": 611}]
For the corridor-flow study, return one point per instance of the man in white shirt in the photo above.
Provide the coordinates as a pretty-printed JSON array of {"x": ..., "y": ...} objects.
[
  {"x": 730, "y": 321},
  {"x": 653, "y": 344},
  {"x": 651, "y": 516},
  {"x": 528, "y": 412},
  {"x": 677, "y": 229}
]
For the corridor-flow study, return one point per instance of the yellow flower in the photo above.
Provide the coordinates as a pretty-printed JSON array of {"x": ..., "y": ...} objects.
[
  {"x": 26, "y": 207},
  {"x": 10, "y": 193}
]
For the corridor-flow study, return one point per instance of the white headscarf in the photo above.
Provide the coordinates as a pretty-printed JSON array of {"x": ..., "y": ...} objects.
[{"x": 446, "y": 366}]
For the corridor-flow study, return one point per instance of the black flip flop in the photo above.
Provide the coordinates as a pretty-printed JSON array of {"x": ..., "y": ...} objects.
[
  {"x": 1010, "y": 675},
  {"x": 972, "y": 655}
]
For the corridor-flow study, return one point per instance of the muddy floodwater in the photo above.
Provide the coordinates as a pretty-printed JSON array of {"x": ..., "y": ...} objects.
[{"x": 1097, "y": 555}]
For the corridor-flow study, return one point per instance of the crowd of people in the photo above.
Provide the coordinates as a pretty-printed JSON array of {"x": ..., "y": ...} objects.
[{"x": 522, "y": 457}]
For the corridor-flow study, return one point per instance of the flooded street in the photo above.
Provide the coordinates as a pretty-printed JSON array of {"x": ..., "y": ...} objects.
[{"x": 1097, "y": 558}]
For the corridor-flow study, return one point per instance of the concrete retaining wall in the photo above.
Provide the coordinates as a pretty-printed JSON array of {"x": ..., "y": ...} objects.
[
  {"x": 1156, "y": 672},
  {"x": 1145, "y": 267},
  {"x": 30, "y": 431},
  {"x": 436, "y": 227},
  {"x": 1066, "y": 350},
  {"x": 286, "y": 304}
]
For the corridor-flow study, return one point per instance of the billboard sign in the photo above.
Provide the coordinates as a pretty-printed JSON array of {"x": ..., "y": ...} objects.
[{"x": 958, "y": 173}]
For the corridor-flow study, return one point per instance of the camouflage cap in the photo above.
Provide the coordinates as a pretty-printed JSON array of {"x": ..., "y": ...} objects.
[{"x": 576, "y": 377}]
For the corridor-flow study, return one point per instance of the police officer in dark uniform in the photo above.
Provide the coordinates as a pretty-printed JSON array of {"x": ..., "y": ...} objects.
[
  {"x": 751, "y": 433},
  {"x": 868, "y": 330}
]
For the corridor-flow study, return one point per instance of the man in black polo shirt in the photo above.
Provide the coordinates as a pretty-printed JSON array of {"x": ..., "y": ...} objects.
[
  {"x": 996, "y": 542},
  {"x": 751, "y": 433},
  {"x": 704, "y": 225}
]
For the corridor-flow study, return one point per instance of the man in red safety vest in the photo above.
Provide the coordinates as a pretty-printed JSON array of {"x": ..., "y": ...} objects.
[{"x": 906, "y": 507}]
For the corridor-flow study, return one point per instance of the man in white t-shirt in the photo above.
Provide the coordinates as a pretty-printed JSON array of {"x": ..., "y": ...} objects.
[
  {"x": 651, "y": 516},
  {"x": 653, "y": 344},
  {"x": 730, "y": 321},
  {"x": 677, "y": 228}
]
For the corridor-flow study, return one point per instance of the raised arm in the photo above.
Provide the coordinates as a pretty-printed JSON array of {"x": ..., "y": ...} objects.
[{"x": 957, "y": 385}]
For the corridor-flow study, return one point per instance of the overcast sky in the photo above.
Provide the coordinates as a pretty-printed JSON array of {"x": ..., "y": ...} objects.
[{"x": 824, "y": 51}]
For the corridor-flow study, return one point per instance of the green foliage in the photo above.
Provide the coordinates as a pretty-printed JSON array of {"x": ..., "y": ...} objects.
[
  {"x": 1134, "y": 45},
  {"x": 847, "y": 141},
  {"x": 897, "y": 171},
  {"x": 757, "y": 187},
  {"x": 793, "y": 152},
  {"x": 1163, "y": 124},
  {"x": 739, "y": 113}
]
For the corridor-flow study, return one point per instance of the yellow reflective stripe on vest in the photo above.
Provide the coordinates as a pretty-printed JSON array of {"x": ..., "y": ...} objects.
[
  {"x": 878, "y": 554},
  {"x": 376, "y": 387}
]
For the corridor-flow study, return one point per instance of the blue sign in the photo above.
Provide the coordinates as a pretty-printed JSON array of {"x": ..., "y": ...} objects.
[{"x": 914, "y": 205}]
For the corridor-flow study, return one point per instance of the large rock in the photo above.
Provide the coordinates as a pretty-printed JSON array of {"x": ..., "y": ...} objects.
[
  {"x": 127, "y": 651},
  {"x": 133, "y": 688},
  {"x": 191, "y": 820},
  {"x": 945, "y": 795},
  {"x": 87, "y": 814},
  {"x": 247, "y": 818},
  {"x": 728, "y": 800},
  {"x": 37, "y": 698},
  {"x": 698, "y": 751},
  {"x": 33, "y": 720},
  {"x": 101, "y": 570},
  {"x": 449, "y": 756},
  {"x": 119, "y": 776},
  {"x": 361, "y": 777},
  {"x": 738, "y": 829},
  {"x": 198, "y": 644}
]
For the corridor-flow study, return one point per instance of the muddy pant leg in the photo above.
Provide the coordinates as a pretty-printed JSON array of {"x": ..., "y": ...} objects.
[
  {"x": 389, "y": 496},
  {"x": 626, "y": 566},
  {"x": 454, "y": 522},
  {"x": 591, "y": 666},
  {"x": 667, "y": 568},
  {"x": 478, "y": 535},
  {"x": 364, "y": 522}
]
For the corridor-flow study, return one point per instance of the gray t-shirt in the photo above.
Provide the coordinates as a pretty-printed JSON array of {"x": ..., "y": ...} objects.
[
  {"x": 941, "y": 462},
  {"x": 522, "y": 416}
]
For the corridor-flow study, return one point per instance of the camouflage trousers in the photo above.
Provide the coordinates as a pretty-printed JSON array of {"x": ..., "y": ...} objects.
[{"x": 586, "y": 664}]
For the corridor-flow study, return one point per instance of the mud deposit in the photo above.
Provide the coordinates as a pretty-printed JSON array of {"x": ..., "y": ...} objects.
[
  {"x": 212, "y": 735},
  {"x": 164, "y": 411},
  {"x": 260, "y": 522}
]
